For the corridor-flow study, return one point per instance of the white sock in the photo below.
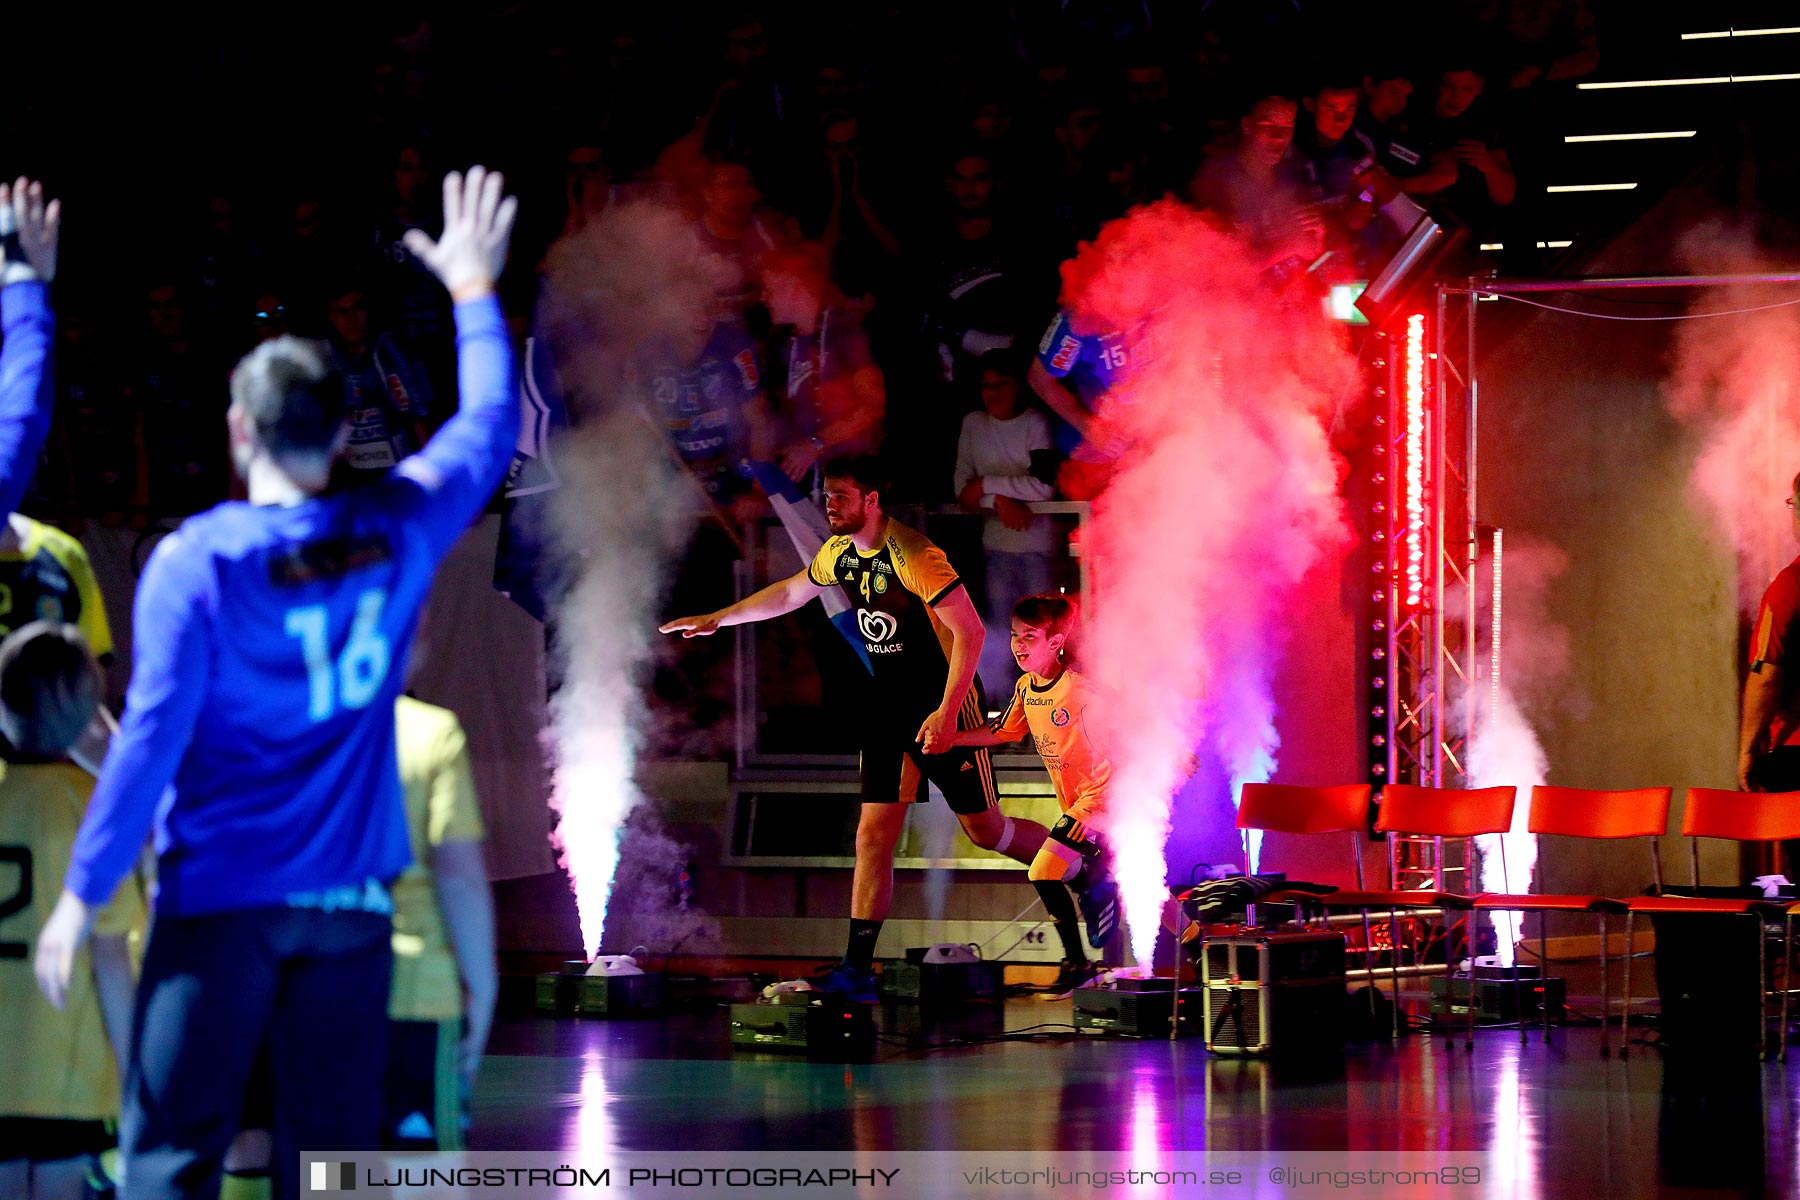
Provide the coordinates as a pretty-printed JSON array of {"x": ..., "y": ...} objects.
[{"x": 1006, "y": 836}]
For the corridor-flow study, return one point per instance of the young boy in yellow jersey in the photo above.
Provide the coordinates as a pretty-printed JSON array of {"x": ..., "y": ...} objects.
[
  {"x": 59, "y": 1074},
  {"x": 1050, "y": 702},
  {"x": 445, "y": 981},
  {"x": 45, "y": 575}
]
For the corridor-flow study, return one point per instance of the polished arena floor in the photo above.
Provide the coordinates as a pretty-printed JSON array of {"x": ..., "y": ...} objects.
[{"x": 1659, "y": 1122}]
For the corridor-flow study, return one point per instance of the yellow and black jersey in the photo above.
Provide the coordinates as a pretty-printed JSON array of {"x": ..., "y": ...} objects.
[
  {"x": 1056, "y": 715},
  {"x": 47, "y": 577},
  {"x": 440, "y": 807},
  {"x": 55, "y": 1065},
  {"x": 895, "y": 589}
]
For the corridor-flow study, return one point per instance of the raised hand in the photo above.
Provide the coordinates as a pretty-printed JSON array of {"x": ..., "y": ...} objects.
[
  {"x": 468, "y": 257},
  {"x": 29, "y": 228}
]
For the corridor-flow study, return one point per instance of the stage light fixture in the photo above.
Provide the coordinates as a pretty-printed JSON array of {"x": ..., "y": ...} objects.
[
  {"x": 1689, "y": 81},
  {"x": 1738, "y": 33},
  {"x": 1427, "y": 243},
  {"x": 1629, "y": 137},
  {"x": 1415, "y": 460},
  {"x": 1495, "y": 623}
]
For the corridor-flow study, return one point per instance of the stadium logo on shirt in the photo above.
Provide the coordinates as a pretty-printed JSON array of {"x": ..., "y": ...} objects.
[
  {"x": 877, "y": 627},
  {"x": 1064, "y": 358},
  {"x": 1060, "y": 717}
]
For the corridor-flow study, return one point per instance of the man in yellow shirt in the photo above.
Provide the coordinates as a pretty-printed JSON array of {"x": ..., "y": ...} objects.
[
  {"x": 923, "y": 636},
  {"x": 59, "y": 1073}
]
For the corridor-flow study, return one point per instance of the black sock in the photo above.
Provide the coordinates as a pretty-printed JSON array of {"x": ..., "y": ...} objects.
[
  {"x": 1061, "y": 907},
  {"x": 861, "y": 952}
]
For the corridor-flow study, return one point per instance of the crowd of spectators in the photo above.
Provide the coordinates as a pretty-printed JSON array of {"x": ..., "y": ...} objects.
[{"x": 894, "y": 187}]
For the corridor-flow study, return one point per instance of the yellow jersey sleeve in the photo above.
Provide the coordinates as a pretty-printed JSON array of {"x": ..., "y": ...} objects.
[
  {"x": 823, "y": 568},
  {"x": 92, "y": 623},
  {"x": 454, "y": 813},
  {"x": 922, "y": 567},
  {"x": 1011, "y": 723}
]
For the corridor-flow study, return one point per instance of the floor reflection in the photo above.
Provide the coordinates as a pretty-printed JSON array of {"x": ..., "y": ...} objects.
[{"x": 1561, "y": 1120}]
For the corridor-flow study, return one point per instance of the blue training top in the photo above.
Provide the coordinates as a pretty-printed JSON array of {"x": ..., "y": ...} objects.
[
  {"x": 269, "y": 647},
  {"x": 25, "y": 390}
]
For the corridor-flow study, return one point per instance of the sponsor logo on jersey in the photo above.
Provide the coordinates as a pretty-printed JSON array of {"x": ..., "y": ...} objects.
[
  {"x": 745, "y": 361},
  {"x": 1409, "y": 157},
  {"x": 1049, "y": 338},
  {"x": 1066, "y": 353},
  {"x": 1060, "y": 717},
  {"x": 877, "y": 627}
]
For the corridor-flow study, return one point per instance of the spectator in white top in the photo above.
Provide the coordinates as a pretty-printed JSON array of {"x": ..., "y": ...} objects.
[{"x": 993, "y": 476}]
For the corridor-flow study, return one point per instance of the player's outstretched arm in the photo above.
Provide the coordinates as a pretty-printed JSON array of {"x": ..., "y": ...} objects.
[
  {"x": 463, "y": 464},
  {"x": 28, "y": 237},
  {"x": 774, "y": 600}
]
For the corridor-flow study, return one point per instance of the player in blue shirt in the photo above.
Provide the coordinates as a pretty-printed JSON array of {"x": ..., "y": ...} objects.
[
  {"x": 270, "y": 645},
  {"x": 1073, "y": 371},
  {"x": 705, "y": 390},
  {"x": 28, "y": 235}
]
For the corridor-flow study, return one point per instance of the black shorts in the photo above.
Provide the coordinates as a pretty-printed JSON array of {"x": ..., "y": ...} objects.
[
  {"x": 41, "y": 1139},
  {"x": 895, "y": 768}
]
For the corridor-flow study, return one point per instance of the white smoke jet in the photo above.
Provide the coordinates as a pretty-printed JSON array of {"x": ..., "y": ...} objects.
[
  {"x": 1225, "y": 498},
  {"x": 1527, "y": 664},
  {"x": 621, "y": 517},
  {"x": 1737, "y": 380},
  {"x": 1506, "y": 751},
  {"x": 633, "y": 278}
]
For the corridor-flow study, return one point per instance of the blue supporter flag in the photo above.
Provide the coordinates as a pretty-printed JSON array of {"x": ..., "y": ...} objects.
[
  {"x": 520, "y": 564},
  {"x": 806, "y": 529}
]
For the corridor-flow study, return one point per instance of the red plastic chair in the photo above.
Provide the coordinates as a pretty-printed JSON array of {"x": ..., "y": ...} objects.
[
  {"x": 1732, "y": 816},
  {"x": 1431, "y": 812},
  {"x": 1579, "y": 812},
  {"x": 1286, "y": 808}
]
